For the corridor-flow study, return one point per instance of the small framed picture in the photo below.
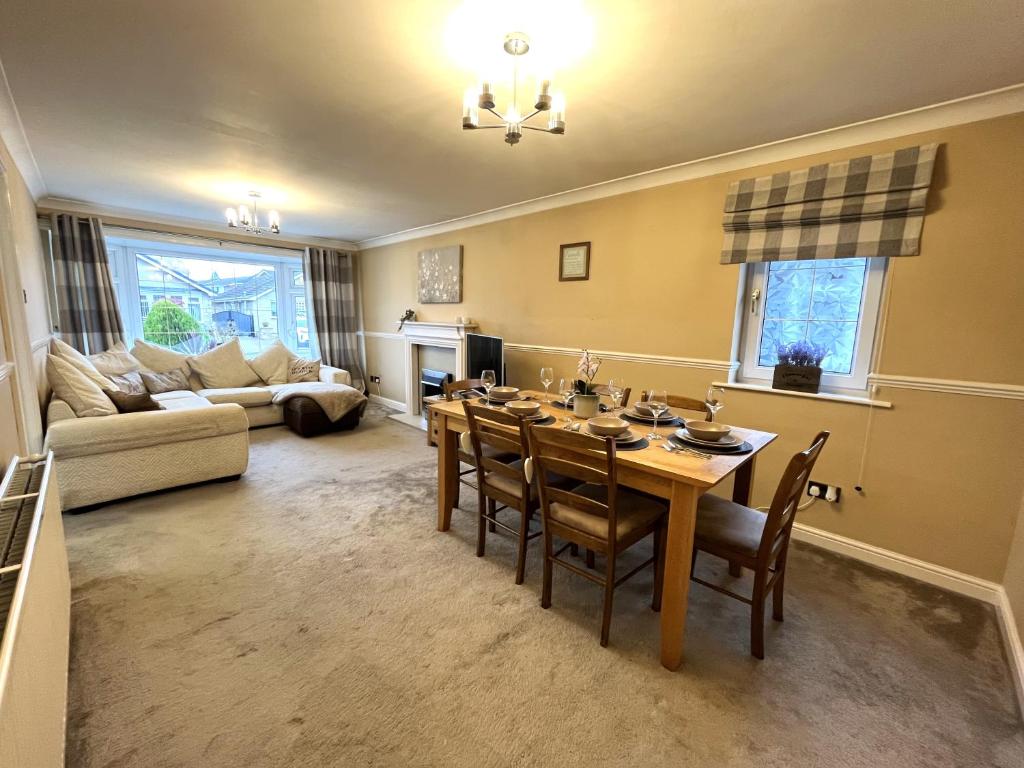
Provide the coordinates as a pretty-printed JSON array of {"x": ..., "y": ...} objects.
[{"x": 574, "y": 262}]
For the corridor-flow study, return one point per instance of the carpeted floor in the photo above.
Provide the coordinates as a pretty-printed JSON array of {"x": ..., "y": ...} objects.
[{"x": 311, "y": 615}]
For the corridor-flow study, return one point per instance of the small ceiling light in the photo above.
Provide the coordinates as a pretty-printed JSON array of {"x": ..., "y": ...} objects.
[{"x": 250, "y": 222}]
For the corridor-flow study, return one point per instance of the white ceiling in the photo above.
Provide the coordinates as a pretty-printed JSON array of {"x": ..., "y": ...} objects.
[{"x": 348, "y": 113}]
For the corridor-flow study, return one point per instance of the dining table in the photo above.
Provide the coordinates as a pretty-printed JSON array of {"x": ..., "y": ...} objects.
[{"x": 678, "y": 477}]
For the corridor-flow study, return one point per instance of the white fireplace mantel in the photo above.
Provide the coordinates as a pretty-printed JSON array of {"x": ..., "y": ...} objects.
[{"x": 443, "y": 335}]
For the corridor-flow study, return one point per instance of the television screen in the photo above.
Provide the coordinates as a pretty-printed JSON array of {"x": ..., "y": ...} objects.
[{"x": 482, "y": 353}]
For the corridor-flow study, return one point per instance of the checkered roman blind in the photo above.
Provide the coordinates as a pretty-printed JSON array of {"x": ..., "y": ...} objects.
[{"x": 867, "y": 206}]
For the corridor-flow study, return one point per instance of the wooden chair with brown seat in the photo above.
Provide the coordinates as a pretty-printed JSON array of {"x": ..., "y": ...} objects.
[
  {"x": 597, "y": 514},
  {"x": 604, "y": 389},
  {"x": 451, "y": 390},
  {"x": 503, "y": 484},
  {"x": 756, "y": 540},
  {"x": 684, "y": 403}
]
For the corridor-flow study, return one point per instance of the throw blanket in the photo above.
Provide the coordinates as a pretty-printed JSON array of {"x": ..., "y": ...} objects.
[{"x": 335, "y": 399}]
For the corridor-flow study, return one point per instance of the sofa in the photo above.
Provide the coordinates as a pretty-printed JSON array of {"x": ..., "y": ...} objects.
[{"x": 197, "y": 435}]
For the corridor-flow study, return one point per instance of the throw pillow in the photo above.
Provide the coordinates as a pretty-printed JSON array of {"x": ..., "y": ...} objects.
[
  {"x": 133, "y": 403},
  {"x": 130, "y": 382},
  {"x": 168, "y": 381},
  {"x": 71, "y": 385},
  {"x": 272, "y": 363},
  {"x": 157, "y": 358},
  {"x": 302, "y": 369},
  {"x": 224, "y": 367},
  {"x": 115, "y": 361},
  {"x": 76, "y": 359}
]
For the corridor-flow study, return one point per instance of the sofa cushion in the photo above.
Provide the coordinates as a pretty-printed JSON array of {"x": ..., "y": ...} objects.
[
  {"x": 78, "y": 390},
  {"x": 302, "y": 369},
  {"x": 224, "y": 367},
  {"x": 168, "y": 381},
  {"x": 128, "y": 402},
  {"x": 187, "y": 402},
  {"x": 80, "y": 362},
  {"x": 273, "y": 363},
  {"x": 157, "y": 358},
  {"x": 244, "y": 396},
  {"x": 116, "y": 361},
  {"x": 130, "y": 382}
]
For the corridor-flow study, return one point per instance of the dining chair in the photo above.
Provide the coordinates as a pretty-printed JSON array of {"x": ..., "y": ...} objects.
[
  {"x": 604, "y": 389},
  {"x": 451, "y": 389},
  {"x": 597, "y": 513},
  {"x": 500, "y": 484},
  {"x": 683, "y": 402},
  {"x": 756, "y": 540}
]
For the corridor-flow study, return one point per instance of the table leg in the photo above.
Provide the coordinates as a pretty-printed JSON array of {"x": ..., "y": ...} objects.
[
  {"x": 682, "y": 518},
  {"x": 743, "y": 482},
  {"x": 447, "y": 473}
]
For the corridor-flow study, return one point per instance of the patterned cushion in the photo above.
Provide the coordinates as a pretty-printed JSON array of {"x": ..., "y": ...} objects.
[
  {"x": 169, "y": 381},
  {"x": 224, "y": 367},
  {"x": 156, "y": 358},
  {"x": 302, "y": 369},
  {"x": 130, "y": 382},
  {"x": 78, "y": 390}
]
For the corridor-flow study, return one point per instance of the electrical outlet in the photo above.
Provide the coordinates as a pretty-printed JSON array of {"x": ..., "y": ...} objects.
[
  {"x": 375, "y": 379},
  {"x": 824, "y": 491}
]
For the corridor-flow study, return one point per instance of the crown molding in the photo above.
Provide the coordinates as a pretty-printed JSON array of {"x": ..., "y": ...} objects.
[
  {"x": 12, "y": 131},
  {"x": 969, "y": 109},
  {"x": 144, "y": 220}
]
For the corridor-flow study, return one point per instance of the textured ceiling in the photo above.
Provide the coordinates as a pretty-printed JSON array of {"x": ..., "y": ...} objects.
[{"x": 348, "y": 113}]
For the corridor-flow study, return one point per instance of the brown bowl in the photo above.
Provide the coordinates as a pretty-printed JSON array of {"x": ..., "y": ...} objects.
[
  {"x": 523, "y": 407},
  {"x": 708, "y": 430},
  {"x": 607, "y": 426},
  {"x": 504, "y": 393}
]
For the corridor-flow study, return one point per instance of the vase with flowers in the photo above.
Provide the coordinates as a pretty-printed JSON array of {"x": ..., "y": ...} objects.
[
  {"x": 799, "y": 366},
  {"x": 586, "y": 403}
]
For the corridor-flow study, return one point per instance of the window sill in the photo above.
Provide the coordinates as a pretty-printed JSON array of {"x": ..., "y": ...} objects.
[{"x": 828, "y": 396}]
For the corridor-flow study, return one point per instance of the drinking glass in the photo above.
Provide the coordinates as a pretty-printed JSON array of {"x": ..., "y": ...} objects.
[
  {"x": 566, "y": 388},
  {"x": 547, "y": 375},
  {"x": 712, "y": 403},
  {"x": 657, "y": 401},
  {"x": 488, "y": 379},
  {"x": 616, "y": 389}
]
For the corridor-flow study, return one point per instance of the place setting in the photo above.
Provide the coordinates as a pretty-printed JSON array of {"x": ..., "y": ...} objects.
[
  {"x": 513, "y": 401},
  {"x": 626, "y": 439}
]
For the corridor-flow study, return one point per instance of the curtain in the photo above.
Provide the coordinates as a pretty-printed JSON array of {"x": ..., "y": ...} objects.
[
  {"x": 868, "y": 206},
  {"x": 88, "y": 317},
  {"x": 330, "y": 280}
]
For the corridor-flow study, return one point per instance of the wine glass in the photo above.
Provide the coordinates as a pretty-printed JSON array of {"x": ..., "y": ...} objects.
[
  {"x": 616, "y": 389},
  {"x": 712, "y": 403},
  {"x": 488, "y": 379},
  {"x": 566, "y": 388},
  {"x": 547, "y": 375},
  {"x": 657, "y": 401}
]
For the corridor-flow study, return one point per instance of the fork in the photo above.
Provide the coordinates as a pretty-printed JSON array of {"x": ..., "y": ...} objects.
[{"x": 673, "y": 448}]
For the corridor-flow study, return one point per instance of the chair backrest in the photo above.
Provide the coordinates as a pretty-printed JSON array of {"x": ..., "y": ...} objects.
[
  {"x": 683, "y": 402},
  {"x": 782, "y": 512},
  {"x": 586, "y": 458},
  {"x": 604, "y": 389},
  {"x": 502, "y": 431},
  {"x": 452, "y": 388}
]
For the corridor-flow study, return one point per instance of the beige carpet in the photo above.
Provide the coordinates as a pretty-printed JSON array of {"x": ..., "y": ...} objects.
[{"x": 310, "y": 615}]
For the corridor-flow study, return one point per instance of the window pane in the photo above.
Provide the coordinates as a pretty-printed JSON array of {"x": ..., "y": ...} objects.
[{"x": 816, "y": 301}]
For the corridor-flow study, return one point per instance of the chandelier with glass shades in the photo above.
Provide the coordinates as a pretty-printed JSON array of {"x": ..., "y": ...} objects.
[
  {"x": 516, "y": 45},
  {"x": 250, "y": 221}
]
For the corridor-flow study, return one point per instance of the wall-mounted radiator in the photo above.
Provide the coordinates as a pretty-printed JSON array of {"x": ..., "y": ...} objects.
[{"x": 35, "y": 599}]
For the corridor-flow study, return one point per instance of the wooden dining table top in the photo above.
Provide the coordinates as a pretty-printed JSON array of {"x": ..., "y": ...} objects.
[{"x": 697, "y": 471}]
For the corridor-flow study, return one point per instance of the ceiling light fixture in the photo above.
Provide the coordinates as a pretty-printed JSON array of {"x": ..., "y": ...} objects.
[
  {"x": 516, "y": 44},
  {"x": 250, "y": 221}
]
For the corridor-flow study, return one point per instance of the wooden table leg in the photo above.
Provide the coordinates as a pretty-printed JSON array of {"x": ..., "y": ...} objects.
[
  {"x": 447, "y": 472},
  {"x": 743, "y": 482},
  {"x": 682, "y": 518}
]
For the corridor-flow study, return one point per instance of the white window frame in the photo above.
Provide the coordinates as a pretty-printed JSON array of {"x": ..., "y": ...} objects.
[{"x": 751, "y": 319}]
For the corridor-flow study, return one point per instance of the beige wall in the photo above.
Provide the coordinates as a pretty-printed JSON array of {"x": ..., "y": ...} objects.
[
  {"x": 23, "y": 271},
  {"x": 1013, "y": 579},
  {"x": 656, "y": 287}
]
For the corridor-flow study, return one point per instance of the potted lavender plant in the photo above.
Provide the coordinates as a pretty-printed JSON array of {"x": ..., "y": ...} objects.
[
  {"x": 799, "y": 367},
  {"x": 585, "y": 403}
]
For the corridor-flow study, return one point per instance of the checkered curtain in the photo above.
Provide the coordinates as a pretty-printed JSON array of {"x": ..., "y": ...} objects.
[
  {"x": 330, "y": 281},
  {"x": 867, "y": 206},
  {"x": 88, "y": 317}
]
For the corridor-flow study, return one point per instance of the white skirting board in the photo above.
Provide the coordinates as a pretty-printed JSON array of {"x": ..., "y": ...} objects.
[
  {"x": 397, "y": 405},
  {"x": 954, "y": 581}
]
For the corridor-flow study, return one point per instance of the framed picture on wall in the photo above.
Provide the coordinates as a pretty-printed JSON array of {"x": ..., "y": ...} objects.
[{"x": 574, "y": 262}]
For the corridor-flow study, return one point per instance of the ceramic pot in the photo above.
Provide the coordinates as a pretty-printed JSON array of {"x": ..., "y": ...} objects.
[{"x": 586, "y": 406}]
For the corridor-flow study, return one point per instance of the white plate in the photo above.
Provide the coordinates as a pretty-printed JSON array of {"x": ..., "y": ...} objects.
[{"x": 729, "y": 441}]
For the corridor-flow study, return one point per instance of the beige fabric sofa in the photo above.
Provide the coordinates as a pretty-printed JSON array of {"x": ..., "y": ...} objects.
[{"x": 199, "y": 436}]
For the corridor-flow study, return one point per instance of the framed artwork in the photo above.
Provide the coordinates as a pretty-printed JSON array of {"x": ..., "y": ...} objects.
[
  {"x": 574, "y": 262},
  {"x": 440, "y": 275}
]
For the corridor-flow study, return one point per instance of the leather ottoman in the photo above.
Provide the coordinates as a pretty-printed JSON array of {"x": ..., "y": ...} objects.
[{"x": 304, "y": 417}]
